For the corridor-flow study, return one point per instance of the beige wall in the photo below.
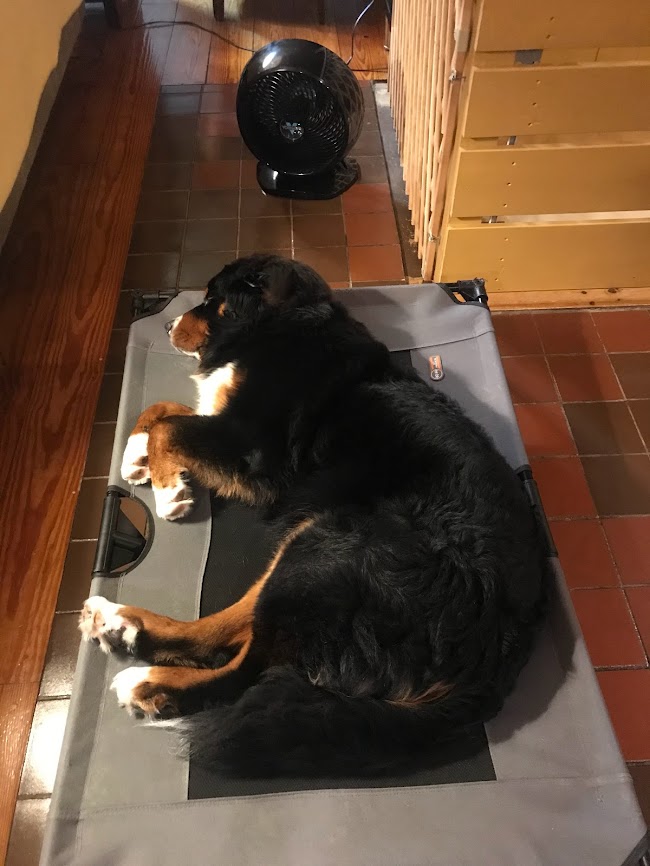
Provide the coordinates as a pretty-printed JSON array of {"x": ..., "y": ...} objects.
[{"x": 30, "y": 37}]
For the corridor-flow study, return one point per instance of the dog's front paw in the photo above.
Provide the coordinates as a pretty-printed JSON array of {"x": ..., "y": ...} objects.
[
  {"x": 175, "y": 500},
  {"x": 140, "y": 696},
  {"x": 101, "y": 621},
  {"x": 135, "y": 463}
]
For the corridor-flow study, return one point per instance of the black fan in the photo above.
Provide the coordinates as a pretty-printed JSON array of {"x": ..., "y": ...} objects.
[{"x": 300, "y": 111}]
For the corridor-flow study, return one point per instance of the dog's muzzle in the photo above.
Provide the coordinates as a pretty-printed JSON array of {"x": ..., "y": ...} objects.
[{"x": 169, "y": 326}]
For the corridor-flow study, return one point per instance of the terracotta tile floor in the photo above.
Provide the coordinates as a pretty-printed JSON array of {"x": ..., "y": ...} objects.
[
  {"x": 201, "y": 205},
  {"x": 580, "y": 382}
]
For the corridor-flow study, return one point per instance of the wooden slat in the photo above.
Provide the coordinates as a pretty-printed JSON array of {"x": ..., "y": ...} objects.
[
  {"x": 509, "y": 25},
  {"x": 415, "y": 155},
  {"x": 16, "y": 710},
  {"x": 446, "y": 168},
  {"x": 570, "y": 298},
  {"x": 448, "y": 126},
  {"x": 529, "y": 100},
  {"x": 428, "y": 144},
  {"x": 430, "y": 155},
  {"x": 540, "y": 257},
  {"x": 396, "y": 81},
  {"x": 429, "y": 44},
  {"x": 409, "y": 105},
  {"x": 541, "y": 180}
]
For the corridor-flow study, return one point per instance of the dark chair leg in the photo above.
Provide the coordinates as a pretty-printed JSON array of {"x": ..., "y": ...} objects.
[
  {"x": 112, "y": 15},
  {"x": 218, "y": 10}
]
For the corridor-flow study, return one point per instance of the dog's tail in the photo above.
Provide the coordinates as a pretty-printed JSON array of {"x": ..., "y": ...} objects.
[{"x": 284, "y": 725}]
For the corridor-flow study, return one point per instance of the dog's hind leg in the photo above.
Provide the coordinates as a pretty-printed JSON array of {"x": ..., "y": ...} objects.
[
  {"x": 165, "y": 692},
  {"x": 209, "y": 449},
  {"x": 161, "y": 640},
  {"x": 135, "y": 463}
]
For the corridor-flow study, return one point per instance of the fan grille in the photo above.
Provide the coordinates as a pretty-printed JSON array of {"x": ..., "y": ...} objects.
[{"x": 293, "y": 123}]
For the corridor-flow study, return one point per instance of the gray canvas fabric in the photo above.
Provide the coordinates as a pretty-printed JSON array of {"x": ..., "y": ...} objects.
[
  {"x": 562, "y": 793},
  {"x": 523, "y": 823}
]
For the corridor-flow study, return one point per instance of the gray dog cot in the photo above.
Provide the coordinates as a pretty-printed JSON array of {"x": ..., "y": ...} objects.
[{"x": 543, "y": 785}]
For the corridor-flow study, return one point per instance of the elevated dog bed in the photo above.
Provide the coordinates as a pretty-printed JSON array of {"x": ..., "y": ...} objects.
[{"x": 543, "y": 785}]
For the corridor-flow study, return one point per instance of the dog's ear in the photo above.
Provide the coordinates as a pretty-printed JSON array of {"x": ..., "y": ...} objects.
[
  {"x": 212, "y": 283},
  {"x": 290, "y": 283},
  {"x": 255, "y": 279}
]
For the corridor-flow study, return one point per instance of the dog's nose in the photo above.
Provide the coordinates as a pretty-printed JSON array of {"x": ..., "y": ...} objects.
[{"x": 169, "y": 326}]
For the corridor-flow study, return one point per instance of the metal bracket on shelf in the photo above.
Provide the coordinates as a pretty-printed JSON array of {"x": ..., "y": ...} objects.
[
  {"x": 147, "y": 303},
  {"x": 528, "y": 57},
  {"x": 469, "y": 290},
  {"x": 532, "y": 492}
]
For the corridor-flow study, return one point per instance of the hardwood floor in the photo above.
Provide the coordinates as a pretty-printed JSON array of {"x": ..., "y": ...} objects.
[
  {"x": 329, "y": 22},
  {"x": 16, "y": 709},
  {"x": 61, "y": 272},
  {"x": 60, "y": 276}
]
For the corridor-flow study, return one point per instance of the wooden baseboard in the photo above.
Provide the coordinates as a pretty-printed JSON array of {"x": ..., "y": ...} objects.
[
  {"x": 564, "y": 299},
  {"x": 568, "y": 298}
]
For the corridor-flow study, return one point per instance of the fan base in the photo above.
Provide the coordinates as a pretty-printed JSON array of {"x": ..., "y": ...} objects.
[{"x": 327, "y": 184}]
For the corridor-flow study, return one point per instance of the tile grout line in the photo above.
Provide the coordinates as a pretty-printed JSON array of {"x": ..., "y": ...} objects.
[
  {"x": 620, "y": 586},
  {"x": 22, "y": 798},
  {"x": 634, "y": 421},
  {"x": 241, "y": 172},
  {"x": 636, "y": 628},
  {"x": 548, "y": 365},
  {"x": 291, "y": 230},
  {"x": 574, "y": 354},
  {"x": 181, "y": 256}
]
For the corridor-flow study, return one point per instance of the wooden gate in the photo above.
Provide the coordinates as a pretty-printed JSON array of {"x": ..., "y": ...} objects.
[{"x": 524, "y": 131}]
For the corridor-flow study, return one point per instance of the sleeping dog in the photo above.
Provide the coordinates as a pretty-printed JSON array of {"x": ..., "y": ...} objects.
[{"x": 409, "y": 576}]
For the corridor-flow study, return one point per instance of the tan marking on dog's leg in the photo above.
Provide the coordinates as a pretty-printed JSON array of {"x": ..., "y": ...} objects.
[
  {"x": 171, "y": 641},
  {"x": 169, "y": 469},
  {"x": 158, "y": 692},
  {"x": 135, "y": 463}
]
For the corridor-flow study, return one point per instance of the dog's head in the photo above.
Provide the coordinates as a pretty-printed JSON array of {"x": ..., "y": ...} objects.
[{"x": 246, "y": 292}]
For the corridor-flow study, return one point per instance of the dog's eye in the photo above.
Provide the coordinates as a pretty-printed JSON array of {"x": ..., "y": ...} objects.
[{"x": 226, "y": 312}]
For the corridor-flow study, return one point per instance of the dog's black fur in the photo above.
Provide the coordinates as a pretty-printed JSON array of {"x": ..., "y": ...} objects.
[{"x": 407, "y": 610}]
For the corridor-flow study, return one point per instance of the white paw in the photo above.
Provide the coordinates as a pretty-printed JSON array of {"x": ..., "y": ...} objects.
[
  {"x": 125, "y": 683},
  {"x": 135, "y": 463},
  {"x": 100, "y": 620},
  {"x": 173, "y": 502}
]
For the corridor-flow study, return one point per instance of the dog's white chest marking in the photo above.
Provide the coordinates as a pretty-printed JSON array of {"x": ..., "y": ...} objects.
[{"x": 214, "y": 389}]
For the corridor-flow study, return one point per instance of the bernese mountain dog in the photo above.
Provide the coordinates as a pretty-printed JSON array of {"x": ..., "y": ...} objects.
[{"x": 409, "y": 578}]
